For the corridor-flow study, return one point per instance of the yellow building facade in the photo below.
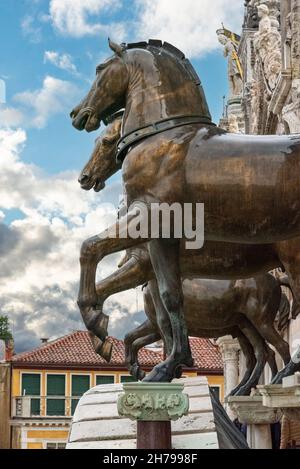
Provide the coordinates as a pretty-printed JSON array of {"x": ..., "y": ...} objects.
[{"x": 44, "y": 395}]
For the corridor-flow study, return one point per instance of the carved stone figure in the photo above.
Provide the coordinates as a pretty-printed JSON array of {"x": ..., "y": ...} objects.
[
  {"x": 251, "y": 16},
  {"x": 234, "y": 74},
  {"x": 291, "y": 112},
  {"x": 267, "y": 43},
  {"x": 233, "y": 125}
]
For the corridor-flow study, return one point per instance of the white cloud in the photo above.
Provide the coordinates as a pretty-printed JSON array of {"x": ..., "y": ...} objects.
[
  {"x": 39, "y": 268},
  {"x": 31, "y": 30},
  {"x": 10, "y": 117},
  {"x": 54, "y": 97},
  {"x": 62, "y": 61},
  {"x": 78, "y": 18},
  {"x": 190, "y": 25}
]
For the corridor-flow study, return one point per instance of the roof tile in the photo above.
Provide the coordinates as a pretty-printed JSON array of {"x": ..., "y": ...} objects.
[{"x": 76, "y": 349}]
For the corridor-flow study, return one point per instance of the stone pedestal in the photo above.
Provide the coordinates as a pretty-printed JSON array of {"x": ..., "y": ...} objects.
[
  {"x": 250, "y": 411},
  {"x": 285, "y": 397},
  {"x": 153, "y": 406}
]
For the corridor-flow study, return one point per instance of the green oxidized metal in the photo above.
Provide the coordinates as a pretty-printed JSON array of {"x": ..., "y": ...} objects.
[{"x": 153, "y": 401}]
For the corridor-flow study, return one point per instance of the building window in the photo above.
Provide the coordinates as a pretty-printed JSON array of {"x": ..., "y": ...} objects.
[
  {"x": 216, "y": 391},
  {"x": 54, "y": 445},
  {"x": 128, "y": 379},
  {"x": 56, "y": 385},
  {"x": 105, "y": 379},
  {"x": 31, "y": 386},
  {"x": 80, "y": 384}
]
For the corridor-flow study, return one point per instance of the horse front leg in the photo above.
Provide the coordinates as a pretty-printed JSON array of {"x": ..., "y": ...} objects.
[
  {"x": 260, "y": 352},
  {"x": 164, "y": 256},
  {"x": 93, "y": 250},
  {"x": 137, "y": 345}
]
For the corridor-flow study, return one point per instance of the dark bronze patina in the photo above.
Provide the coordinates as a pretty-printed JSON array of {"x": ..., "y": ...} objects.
[
  {"x": 136, "y": 269},
  {"x": 249, "y": 185}
]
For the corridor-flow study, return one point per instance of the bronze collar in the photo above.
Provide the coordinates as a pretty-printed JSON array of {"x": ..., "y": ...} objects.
[{"x": 161, "y": 126}]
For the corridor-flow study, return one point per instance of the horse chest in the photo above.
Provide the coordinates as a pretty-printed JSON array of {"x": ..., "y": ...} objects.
[{"x": 154, "y": 169}]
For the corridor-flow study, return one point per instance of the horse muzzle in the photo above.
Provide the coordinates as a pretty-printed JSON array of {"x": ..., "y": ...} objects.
[
  {"x": 85, "y": 119},
  {"x": 87, "y": 183}
]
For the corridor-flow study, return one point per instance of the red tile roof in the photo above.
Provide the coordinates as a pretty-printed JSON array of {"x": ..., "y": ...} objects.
[
  {"x": 76, "y": 349},
  {"x": 207, "y": 356}
]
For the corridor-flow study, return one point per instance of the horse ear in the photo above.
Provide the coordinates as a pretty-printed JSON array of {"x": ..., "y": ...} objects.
[{"x": 116, "y": 48}]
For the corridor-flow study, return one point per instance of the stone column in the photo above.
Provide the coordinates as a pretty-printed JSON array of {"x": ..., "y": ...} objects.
[{"x": 230, "y": 348}]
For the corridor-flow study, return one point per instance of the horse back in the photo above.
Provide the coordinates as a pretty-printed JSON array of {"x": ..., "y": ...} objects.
[{"x": 249, "y": 184}]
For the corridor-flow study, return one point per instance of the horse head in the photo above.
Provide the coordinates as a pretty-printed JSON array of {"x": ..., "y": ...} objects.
[
  {"x": 107, "y": 94},
  {"x": 152, "y": 80},
  {"x": 102, "y": 164}
]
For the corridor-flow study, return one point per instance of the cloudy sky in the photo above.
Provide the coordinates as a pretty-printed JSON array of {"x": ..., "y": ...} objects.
[{"x": 49, "y": 51}]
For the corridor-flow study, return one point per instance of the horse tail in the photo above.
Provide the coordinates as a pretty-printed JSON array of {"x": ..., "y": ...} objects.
[
  {"x": 284, "y": 282},
  {"x": 284, "y": 313}
]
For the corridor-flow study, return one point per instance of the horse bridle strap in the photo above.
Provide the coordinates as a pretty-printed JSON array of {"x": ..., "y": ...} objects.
[{"x": 161, "y": 126}]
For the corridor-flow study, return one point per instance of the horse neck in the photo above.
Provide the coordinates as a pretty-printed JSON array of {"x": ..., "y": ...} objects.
[{"x": 156, "y": 93}]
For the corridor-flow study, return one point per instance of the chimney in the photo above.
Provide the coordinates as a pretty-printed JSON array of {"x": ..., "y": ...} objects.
[
  {"x": 44, "y": 340},
  {"x": 9, "y": 350}
]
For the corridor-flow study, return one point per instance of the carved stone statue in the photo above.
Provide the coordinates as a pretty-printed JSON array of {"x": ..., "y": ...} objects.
[
  {"x": 234, "y": 73},
  {"x": 233, "y": 125},
  {"x": 251, "y": 16},
  {"x": 267, "y": 43}
]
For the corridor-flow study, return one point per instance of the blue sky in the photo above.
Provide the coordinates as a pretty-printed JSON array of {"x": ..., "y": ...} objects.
[
  {"x": 57, "y": 147},
  {"x": 49, "y": 51}
]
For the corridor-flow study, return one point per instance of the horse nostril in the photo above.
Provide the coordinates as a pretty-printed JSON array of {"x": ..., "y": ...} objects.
[{"x": 84, "y": 178}]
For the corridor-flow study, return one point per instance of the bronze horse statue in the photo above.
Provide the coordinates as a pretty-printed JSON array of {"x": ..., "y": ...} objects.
[
  {"x": 173, "y": 153},
  {"x": 214, "y": 308},
  {"x": 136, "y": 269}
]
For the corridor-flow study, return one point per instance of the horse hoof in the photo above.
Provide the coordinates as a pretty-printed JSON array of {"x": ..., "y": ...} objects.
[
  {"x": 137, "y": 373},
  {"x": 158, "y": 375},
  {"x": 178, "y": 372},
  {"x": 97, "y": 343},
  {"x": 243, "y": 391},
  {"x": 289, "y": 370},
  {"x": 105, "y": 351},
  {"x": 188, "y": 362}
]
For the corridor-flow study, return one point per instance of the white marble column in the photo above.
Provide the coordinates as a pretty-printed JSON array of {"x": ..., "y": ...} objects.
[{"x": 230, "y": 349}]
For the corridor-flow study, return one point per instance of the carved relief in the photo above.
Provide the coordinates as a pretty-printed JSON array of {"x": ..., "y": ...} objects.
[
  {"x": 154, "y": 405},
  {"x": 267, "y": 43},
  {"x": 291, "y": 112}
]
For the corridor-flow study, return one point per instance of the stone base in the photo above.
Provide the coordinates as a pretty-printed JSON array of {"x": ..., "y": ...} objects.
[
  {"x": 97, "y": 425},
  {"x": 250, "y": 411},
  {"x": 277, "y": 396}
]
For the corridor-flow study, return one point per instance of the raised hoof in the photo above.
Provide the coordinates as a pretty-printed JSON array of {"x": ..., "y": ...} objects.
[
  {"x": 97, "y": 343},
  {"x": 106, "y": 351}
]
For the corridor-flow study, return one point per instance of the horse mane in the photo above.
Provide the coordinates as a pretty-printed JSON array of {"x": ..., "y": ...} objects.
[{"x": 154, "y": 44}]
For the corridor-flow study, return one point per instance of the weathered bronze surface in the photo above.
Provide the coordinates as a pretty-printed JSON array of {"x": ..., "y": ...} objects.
[
  {"x": 136, "y": 269},
  {"x": 249, "y": 185}
]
